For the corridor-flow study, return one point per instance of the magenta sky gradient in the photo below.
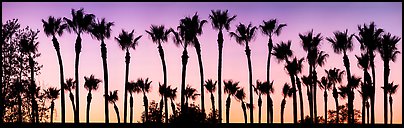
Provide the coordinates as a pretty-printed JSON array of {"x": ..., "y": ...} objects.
[{"x": 324, "y": 18}]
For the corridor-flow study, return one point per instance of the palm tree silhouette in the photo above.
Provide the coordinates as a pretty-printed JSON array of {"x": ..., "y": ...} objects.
[
  {"x": 348, "y": 91},
  {"x": 90, "y": 84},
  {"x": 240, "y": 96},
  {"x": 52, "y": 27},
  {"x": 287, "y": 91},
  {"x": 370, "y": 37},
  {"x": 299, "y": 88},
  {"x": 365, "y": 92},
  {"x": 293, "y": 68},
  {"x": 145, "y": 87},
  {"x": 80, "y": 23},
  {"x": 325, "y": 85},
  {"x": 112, "y": 98},
  {"x": 132, "y": 87},
  {"x": 220, "y": 20},
  {"x": 263, "y": 88},
  {"x": 388, "y": 52},
  {"x": 126, "y": 41},
  {"x": 366, "y": 87},
  {"x": 230, "y": 88},
  {"x": 335, "y": 76},
  {"x": 191, "y": 28},
  {"x": 172, "y": 94},
  {"x": 211, "y": 88},
  {"x": 190, "y": 93},
  {"x": 270, "y": 28},
  {"x": 163, "y": 93},
  {"x": 52, "y": 93},
  {"x": 69, "y": 86},
  {"x": 101, "y": 31},
  {"x": 243, "y": 35},
  {"x": 159, "y": 35},
  {"x": 391, "y": 89}
]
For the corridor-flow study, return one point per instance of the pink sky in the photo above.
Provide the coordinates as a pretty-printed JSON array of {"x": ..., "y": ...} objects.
[{"x": 324, "y": 18}]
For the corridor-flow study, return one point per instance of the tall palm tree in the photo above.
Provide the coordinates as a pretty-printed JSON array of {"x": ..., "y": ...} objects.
[
  {"x": 335, "y": 76},
  {"x": 370, "y": 37},
  {"x": 293, "y": 68},
  {"x": 145, "y": 86},
  {"x": 243, "y": 35},
  {"x": 270, "y": 28},
  {"x": 126, "y": 41},
  {"x": 240, "y": 96},
  {"x": 52, "y": 27},
  {"x": 52, "y": 93},
  {"x": 69, "y": 86},
  {"x": 282, "y": 51},
  {"x": 287, "y": 91},
  {"x": 90, "y": 84},
  {"x": 191, "y": 27},
  {"x": 211, "y": 88},
  {"x": 299, "y": 88},
  {"x": 366, "y": 87},
  {"x": 79, "y": 24},
  {"x": 325, "y": 85},
  {"x": 308, "y": 82},
  {"x": 101, "y": 30},
  {"x": 220, "y": 20},
  {"x": 388, "y": 52},
  {"x": 263, "y": 88},
  {"x": 230, "y": 88},
  {"x": 391, "y": 89},
  {"x": 172, "y": 94},
  {"x": 112, "y": 98},
  {"x": 132, "y": 87}
]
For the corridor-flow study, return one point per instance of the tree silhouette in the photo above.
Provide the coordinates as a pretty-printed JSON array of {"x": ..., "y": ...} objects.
[
  {"x": 343, "y": 110},
  {"x": 69, "y": 86},
  {"x": 90, "y": 84},
  {"x": 145, "y": 87},
  {"x": 211, "y": 88},
  {"x": 172, "y": 94},
  {"x": 263, "y": 88},
  {"x": 132, "y": 87},
  {"x": 293, "y": 68},
  {"x": 190, "y": 93},
  {"x": 52, "y": 93},
  {"x": 348, "y": 91},
  {"x": 240, "y": 96},
  {"x": 230, "y": 88},
  {"x": 391, "y": 89},
  {"x": 366, "y": 86},
  {"x": 287, "y": 91},
  {"x": 325, "y": 85},
  {"x": 335, "y": 76},
  {"x": 112, "y": 98},
  {"x": 220, "y": 20}
]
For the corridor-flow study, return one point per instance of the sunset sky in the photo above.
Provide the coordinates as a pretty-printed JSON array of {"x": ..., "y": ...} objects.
[{"x": 324, "y": 18}]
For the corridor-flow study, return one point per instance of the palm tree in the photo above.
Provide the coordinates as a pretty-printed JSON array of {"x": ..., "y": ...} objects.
[
  {"x": 353, "y": 83},
  {"x": 370, "y": 37},
  {"x": 211, "y": 88},
  {"x": 282, "y": 51},
  {"x": 388, "y": 52},
  {"x": 145, "y": 87},
  {"x": 230, "y": 88},
  {"x": 325, "y": 85},
  {"x": 191, "y": 27},
  {"x": 299, "y": 88},
  {"x": 240, "y": 96},
  {"x": 220, "y": 20},
  {"x": 90, "y": 84},
  {"x": 53, "y": 27},
  {"x": 391, "y": 89},
  {"x": 366, "y": 87},
  {"x": 112, "y": 98},
  {"x": 190, "y": 93},
  {"x": 287, "y": 91},
  {"x": 366, "y": 90},
  {"x": 172, "y": 94},
  {"x": 263, "y": 88},
  {"x": 159, "y": 35},
  {"x": 163, "y": 93},
  {"x": 126, "y": 41},
  {"x": 69, "y": 86},
  {"x": 335, "y": 76},
  {"x": 101, "y": 31},
  {"x": 243, "y": 35},
  {"x": 132, "y": 87},
  {"x": 293, "y": 68},
  {"x": 79, "y": 24},
  {"x": 52, "y": 93}
]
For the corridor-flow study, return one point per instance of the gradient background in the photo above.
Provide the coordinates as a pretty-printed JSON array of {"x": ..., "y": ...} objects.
[{"x": 324, "y": 18}]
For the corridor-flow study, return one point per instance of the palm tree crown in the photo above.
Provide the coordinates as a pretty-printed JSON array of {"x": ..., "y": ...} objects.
[
  {"x": 282, "y": 51},
  {"x": 53, "y": 26},
  {"x": 221, "y": 19},
  {"x": 158, "y": 33},
  {"x": 388, "y": 49},
  {"x": 210, "y": 86},
  {"x": 244, "y": 34},
  {"x": 126, "y": 41},
  {"x": 101, "y": 29},
  {"x": 80, "y": 21},
  {"x": 52, "y": 93},
  {"x": 341, "y": 42},
  {"x": 271, "y": 27},
  {"x": 91, "y": 83}
]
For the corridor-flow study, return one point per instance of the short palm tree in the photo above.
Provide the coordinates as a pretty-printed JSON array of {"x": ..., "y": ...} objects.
[
  {"x": 335, "y": 76},
  {"x": 240, "y": 96},
  {"x": 101, "y": 30},
  {"x": 388, "y": 52},
  {"x": 270, "y": 28},
  {"x": 370, "y": 37},
  {"x": 287, "y": 91},
  {"x": 132, "y": 87},
  {"x": 211, "y": 88},
  {"x": 159, "y": 35},
  {"x": 163, "y": 93},
  {"x": 190, "y": 93},
  {"x": 366, "y": 90},
  {"x": 293, "y": 68},
  {"x": 52, "y": 27},
  {"x": 282, "y": 51},
  {"x": 172, "y": 94},
  {"x": 79, "y": 24},
  {"x": 90, "y": 84},
  {"x": 348, "y": 91},
  {"x": 69, "y": 86},
  {"x": 325, "y": 85},
  {"x": 263, "y": 88},
  {"x": 145, "y": 86},
  {"x": 230, "y": 88},
  {"x": 112, "y": 98},
  {"x": 366, "y": 86},
  {"x": 220, "y": 20},
  {"x": 126, "y": 41},
  {"x": 52, "y": 93},
  {"x": 244, "y": 35},
  {"x": 391, "y": 89}
]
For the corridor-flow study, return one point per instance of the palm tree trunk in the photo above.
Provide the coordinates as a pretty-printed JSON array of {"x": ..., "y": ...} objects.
[
  {"x": 1, "y": 86},
  {"x": 228, "y": 101},
  {"x": 244, "y": 111},
  {"x": 294, "y": 99},
  {"x": 72, "y": 100},
  {"x": 160, "y": 116},
  {"x": 184, "y": 58},
  {"x": 89, "y": 97},
  {"x": 391, "y": 109},
  {"x": 310, "y": 94},
  {"x": 363, "y": 110},
  {"x": 248, "y": 53},
  {"x": 52, "y": 106},
  {"x": 259, "y": 108},
  {"x": 386, "y": 82},
  {"x": 145, "y": 102},
  {"x": 212, "y": 99},
  {"x": 19, "y": 109},
  {"x": 219, "y": 77},
  {"x": 300, "y": 98},
  {"x": 367, "y": 109},
  {"x": 104, "y": 63},
  {"x": 315, "y": 95},
  {"x": 62, "y": 101},
  {"x": 325, "y": 106},
  {"x": 350, "y": 108},
  {"x": 270, "y": 109},
  {"x": 131, "y": 108},
  {"x": 335, "y": 95},
  {"x": 372, "y": 98},
  {"x": 198, "y": 52},
  {"x": 127, "y": 61},
  {"x": 173, "y": 108},
  {"x": 78, "y": 50},
  {"x": 117, "y": 113},
  {"x": 32, "y": 90},
  {"x": 163, "y": 62},
  {"x": 282, "y": 109},
  {"x": 270, "y": 45}
]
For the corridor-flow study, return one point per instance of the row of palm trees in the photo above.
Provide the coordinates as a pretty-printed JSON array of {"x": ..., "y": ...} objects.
[{"x": 371, "y": 39}]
